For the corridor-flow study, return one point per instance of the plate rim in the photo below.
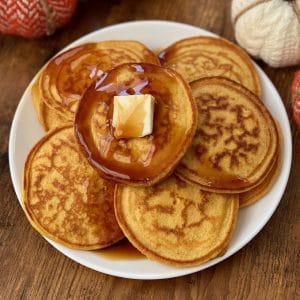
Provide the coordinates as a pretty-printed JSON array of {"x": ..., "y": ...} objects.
[{"x": 178, "y": 271}]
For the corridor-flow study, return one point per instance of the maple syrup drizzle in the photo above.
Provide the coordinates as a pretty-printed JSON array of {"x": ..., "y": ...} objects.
[
  {"x": 220, "y": 178},
  {"x": 122, "y": 250},
  {"x": 142, "y": 80},
  {"x": 64, "y": 56},
  {"x": 162, "y": 57},
  {"x": 72, "y": 72}
]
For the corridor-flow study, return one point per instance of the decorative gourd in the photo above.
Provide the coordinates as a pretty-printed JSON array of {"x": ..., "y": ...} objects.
[
  {"x": 34, "y": 18},
  {"x": 269, "y": 29}
]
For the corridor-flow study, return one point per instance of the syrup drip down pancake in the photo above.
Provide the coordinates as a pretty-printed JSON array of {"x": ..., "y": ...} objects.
[
  {"x": 236, "y": 142},
  {"x": 137, "y": 161},
  {"x": 66, "y": 77}
]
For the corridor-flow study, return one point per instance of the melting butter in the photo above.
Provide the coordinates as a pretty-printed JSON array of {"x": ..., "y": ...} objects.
[{"x": 133, "y": 116}]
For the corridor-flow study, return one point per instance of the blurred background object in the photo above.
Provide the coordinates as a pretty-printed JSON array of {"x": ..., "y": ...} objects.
[
  {"x": 269, "y": 30},
  {"x": 34, "y": 18},
  {"x": 296, "y": 97}
]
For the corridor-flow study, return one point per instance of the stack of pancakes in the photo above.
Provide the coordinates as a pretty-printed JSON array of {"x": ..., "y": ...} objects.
[{"x": 174, "y": 194}]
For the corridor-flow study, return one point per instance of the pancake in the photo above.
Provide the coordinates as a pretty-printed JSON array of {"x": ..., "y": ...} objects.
[
  {"x": 63, "y": 196},
  {"x": 236, "y": 142},
  {"x": 137, "y": 161},
  {"x": 176, "y": 223},
  {"x": 47, "y": 116},
  {"x": 51, "y": 119},
  {"x": 66, "y": 77},
  {"x": 255, "y": 194},
  {"x": 201, "y": 56},
  {"x": 37, "y": 101}
]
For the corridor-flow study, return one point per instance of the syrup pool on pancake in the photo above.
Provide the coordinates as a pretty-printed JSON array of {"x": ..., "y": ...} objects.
[
  {"x": 143, "y": 160},
  {"x": 236, "y": 142},
  {"x": 63, "y": 81}
]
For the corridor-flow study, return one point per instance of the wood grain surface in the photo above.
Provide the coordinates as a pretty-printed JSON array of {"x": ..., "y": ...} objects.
[{"x": 267, "y": 268}]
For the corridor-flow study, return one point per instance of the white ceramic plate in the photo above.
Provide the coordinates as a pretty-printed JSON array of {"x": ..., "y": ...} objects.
[{"x": 26, "y": 131}]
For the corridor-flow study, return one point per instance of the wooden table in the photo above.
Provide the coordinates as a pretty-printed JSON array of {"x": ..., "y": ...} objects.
[{"x": 32, "y": 269}]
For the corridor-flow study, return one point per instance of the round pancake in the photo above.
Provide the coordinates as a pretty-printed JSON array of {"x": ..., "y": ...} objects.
[
  {"x": 137, "y": 161},
  {"x": 236, "y": 141},
  {"x": 64, "y": 197},
  {"x": 201, "y": 56},
  {"x": 66, "y": 77},
  {"x": 176, "y": 223},
  {"x": 255, "y": 194}
]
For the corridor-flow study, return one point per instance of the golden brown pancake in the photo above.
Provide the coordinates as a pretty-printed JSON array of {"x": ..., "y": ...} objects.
[
  {"x": 201, "y": 56},
  {"x": 36, "y": 99},
  {"x": 47, "y": 116},
  {"x": 236, "y": 141},
  {"x": 137, "y": 161},
  {"x": 64, "y": 197},
  {"x": 66, "y": 77},
  {"x": 176, "y": 223},
  {"x": 255, "y": 194}
]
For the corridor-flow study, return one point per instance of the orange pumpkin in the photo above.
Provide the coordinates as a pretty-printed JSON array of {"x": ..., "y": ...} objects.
[{"x": 34, "y": 18}]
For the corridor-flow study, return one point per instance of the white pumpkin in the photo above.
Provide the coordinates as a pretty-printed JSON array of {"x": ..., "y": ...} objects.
[{"x": 269, "y": 29}]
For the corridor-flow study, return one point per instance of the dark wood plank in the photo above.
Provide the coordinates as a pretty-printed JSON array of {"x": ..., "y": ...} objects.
[{"x": 267, "y": 268}]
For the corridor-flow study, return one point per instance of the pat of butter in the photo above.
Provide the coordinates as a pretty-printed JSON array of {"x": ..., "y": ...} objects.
[{"x": 133, "y": 116}]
